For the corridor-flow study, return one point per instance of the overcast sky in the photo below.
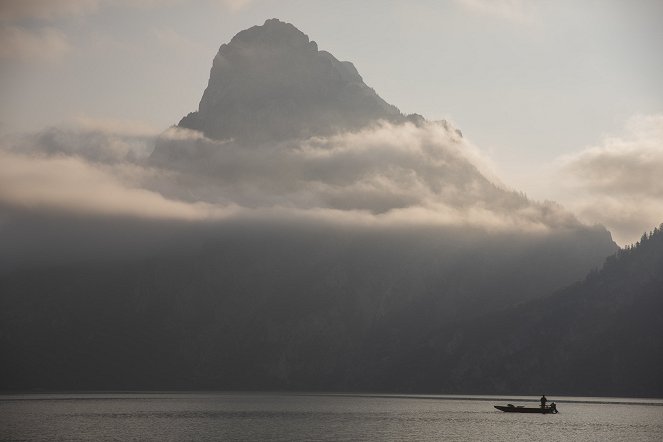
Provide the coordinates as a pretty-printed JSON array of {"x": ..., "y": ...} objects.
[{"x": 563, "y": 97}]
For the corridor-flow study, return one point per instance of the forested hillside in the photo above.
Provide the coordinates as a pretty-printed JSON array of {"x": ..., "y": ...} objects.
[{"x": 602, "y": 336}]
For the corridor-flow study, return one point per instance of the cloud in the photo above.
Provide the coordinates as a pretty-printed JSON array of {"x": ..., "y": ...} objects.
[
  {"x": 516, "y": 11},
  {"x": 20, "y": 43},
  {"x": 391, "y": 173},
  {"x": 81, "y": 192},
  {"x": 116, "y": 126},
  {"x": 68, "y": 184},
  {"x": 383, "y": 175},
  {"x": 623, "y": 166},
  {"x": 93, "y": 140},
  {"x": 15, "y": 10},
  {"x": 618, "y": 182}
]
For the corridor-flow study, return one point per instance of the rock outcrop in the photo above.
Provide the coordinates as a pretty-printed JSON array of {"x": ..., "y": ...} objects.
[{"x": 271, "y": 83}]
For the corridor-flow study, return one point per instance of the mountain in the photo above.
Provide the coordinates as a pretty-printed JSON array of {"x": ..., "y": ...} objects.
[
  {"x": 272, "y": 83},
  {"x": 296, "y": 232}
]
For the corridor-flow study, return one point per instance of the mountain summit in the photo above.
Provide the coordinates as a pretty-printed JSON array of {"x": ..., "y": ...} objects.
[{"x": 272, "y": 83}]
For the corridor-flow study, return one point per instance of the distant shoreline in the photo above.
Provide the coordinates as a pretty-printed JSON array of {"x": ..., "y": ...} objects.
[{"x": 139, "y": 394}]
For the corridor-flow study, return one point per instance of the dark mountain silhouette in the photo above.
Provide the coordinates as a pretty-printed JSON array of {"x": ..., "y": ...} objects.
[
  {"x": 343, "y": 261},
  {"x": 271, "y": 83},
  {"x": 313, "y": 308}
]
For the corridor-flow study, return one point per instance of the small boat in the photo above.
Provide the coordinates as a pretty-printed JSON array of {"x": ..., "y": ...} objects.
[{"x": 510, "y": 408}]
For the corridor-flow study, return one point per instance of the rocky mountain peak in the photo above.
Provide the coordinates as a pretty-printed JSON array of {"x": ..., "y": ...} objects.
[
  {"x": 273, "y": 32},
  {"x": 271, "y": 83}
]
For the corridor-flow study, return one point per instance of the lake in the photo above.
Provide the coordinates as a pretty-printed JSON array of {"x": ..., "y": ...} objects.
[{"x": 313, "y": 417}]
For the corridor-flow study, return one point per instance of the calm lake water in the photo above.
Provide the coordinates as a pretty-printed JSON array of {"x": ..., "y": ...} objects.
[{"x": 290, "y": 417}]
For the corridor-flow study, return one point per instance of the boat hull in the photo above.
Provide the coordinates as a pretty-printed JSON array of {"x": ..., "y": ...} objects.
[{"x": 512, "y": 409}]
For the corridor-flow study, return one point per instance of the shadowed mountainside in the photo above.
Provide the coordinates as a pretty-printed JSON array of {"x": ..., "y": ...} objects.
[
  {"x": 599, "y": 337},
  {"x": 309, "y": 308}
]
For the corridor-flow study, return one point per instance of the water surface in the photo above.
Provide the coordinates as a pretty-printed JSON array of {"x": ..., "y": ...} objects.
[{"x": 297, "y": 417}]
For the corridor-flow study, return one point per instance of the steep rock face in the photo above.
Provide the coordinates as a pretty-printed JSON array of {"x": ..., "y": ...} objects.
[{"x": 272, "y": 83}]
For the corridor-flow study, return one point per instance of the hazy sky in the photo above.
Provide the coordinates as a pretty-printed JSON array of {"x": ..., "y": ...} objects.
[{"x": 563, "y": 97}]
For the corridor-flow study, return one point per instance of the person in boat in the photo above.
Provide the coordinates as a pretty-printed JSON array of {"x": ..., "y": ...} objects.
[{"x": 543, "y": 401}]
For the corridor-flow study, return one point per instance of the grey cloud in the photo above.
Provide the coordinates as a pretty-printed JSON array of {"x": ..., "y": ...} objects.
[
  {"x": 89, "y": 140},
  {"x": 623, "y": 166},
  {"x": 70, "y": 184},
  {"x": 113, "y": 126},
  {"x": 422, "y": 172},
  {"x": 386, "y": 174},
  {"x": 618, "y": 182},
  {"x": 68, "y": 195}
]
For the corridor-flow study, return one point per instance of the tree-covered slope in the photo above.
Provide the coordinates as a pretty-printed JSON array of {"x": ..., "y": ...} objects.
[
  {"x": 316, "y": 309},
  {"x": 602, "y": 336}
]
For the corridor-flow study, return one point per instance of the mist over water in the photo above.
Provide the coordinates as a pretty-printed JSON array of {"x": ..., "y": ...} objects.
[{"x": 251, "y": 417}]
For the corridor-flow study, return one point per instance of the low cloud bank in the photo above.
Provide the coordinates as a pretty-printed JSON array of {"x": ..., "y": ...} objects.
[
  {"x": 388, "y": 173},
  {"x": 383, "y": 174},
  {"x": 383, "y": 177},
  {"x": 618, "y": 182},
  {"x": 70, "y": 184},
  {"x": 88, "y": 140}
]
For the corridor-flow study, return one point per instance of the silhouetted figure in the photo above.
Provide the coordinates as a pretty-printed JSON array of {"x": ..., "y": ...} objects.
[
  {"x": 543, "y": 401},
  {"x": 553, "y": 407}
]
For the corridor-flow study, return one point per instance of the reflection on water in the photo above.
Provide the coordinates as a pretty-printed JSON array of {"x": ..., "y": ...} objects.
[{"x": 287, "y": 417}]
